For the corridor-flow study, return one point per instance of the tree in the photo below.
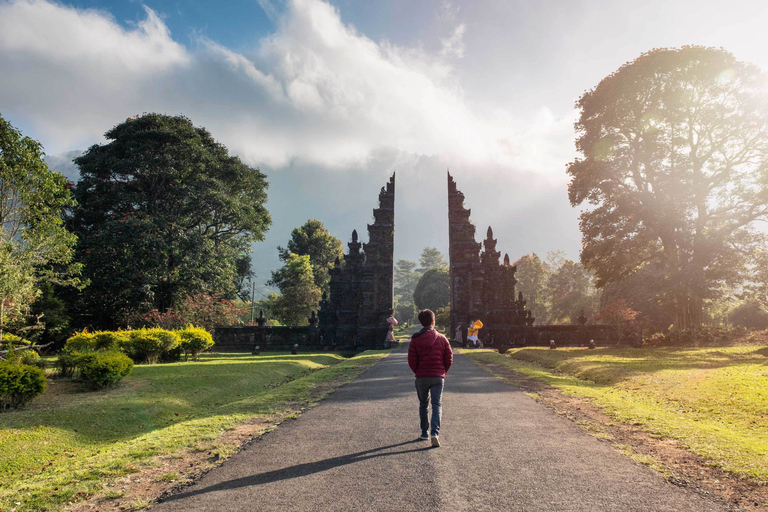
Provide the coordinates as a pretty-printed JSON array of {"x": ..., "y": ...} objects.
[
  {"x": 53, "y": 313},
  {"x": 405, "y": 281},
  {"x": 406, "y": 278},
  {"x": 201, "y": 310},
  {"x": 640, "y": 291},
  {"x": 433, "y": 290},
  {"x": 163, "y": 213},
  {"x": 35, "y": 247},
  {"x": 431, "y": 258},
  {"x": 674, "y": 162},
  {"x": 572, "y": 291},
  {"x": 299, "y": 294},
  {"x": 313, "y": 240},
  {"x": 532, "y": 277}
]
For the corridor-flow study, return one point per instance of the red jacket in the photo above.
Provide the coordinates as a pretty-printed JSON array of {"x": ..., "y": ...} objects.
[{"x": 429, "y": 354}]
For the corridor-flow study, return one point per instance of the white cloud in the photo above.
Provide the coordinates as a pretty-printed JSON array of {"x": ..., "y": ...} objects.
[
  {"x": 316, "y": 90},
  {"x": 453, "y": 46}
]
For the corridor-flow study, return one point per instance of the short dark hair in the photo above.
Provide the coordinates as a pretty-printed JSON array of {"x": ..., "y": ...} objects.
[{"x": 426, "y": 317}]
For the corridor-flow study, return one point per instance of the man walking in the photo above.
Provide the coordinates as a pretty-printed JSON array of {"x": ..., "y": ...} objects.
[{"x": 430, "y": 357}]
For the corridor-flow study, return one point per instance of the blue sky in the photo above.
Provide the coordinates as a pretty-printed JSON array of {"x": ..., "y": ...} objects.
[{"x": 330, "y": 98}]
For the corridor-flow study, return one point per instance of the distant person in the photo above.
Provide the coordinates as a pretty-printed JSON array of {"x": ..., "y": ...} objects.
[
  {"x": 430, "y": 357},
  {"x": 392, "y": 321},
  {"x": 457, "y": 336},
  {"x": 472, "y": 332}
]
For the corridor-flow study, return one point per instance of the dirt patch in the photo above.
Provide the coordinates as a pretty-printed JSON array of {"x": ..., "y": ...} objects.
[
  {"x": 169, "y": 474},
  {"x": 679, "y": 466}
]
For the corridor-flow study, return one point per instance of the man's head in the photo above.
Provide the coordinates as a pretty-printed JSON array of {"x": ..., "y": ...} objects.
[{"x": 427, "y": 318}]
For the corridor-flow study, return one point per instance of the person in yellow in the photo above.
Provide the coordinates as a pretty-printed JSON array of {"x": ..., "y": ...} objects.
[{"x": 474, "y": 328}]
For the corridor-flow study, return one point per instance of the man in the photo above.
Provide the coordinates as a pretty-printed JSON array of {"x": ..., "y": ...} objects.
[{"x": 430, "y": 357}]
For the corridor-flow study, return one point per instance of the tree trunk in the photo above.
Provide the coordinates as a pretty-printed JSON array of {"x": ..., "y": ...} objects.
[{"x": 688, "y": 311}]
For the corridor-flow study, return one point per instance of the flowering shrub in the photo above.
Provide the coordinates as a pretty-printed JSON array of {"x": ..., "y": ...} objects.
[
  {"x": 203, "y": 310},
  {"x": 618, "y": 315}
]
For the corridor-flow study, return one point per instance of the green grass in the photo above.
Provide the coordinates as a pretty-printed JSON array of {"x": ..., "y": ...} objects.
[
  {"x": 713, "y": 400},
  {"x": 70, "y": 441}
]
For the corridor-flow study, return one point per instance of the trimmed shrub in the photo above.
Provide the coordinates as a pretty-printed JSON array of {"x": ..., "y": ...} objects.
[
  {"x": 81, "y": 342},
  {"x": 194, "y": 341},
  {"x": 173, "y": 355},
  {"x": 102, "y": 369},
  {"x": 19, "y": 383},
  {"x": 66, "y": 363},
  {"x": 109, "y": 341},
  {"x": 149, "y": 345},
  {"x": 29, "y": 357},
  {"x": 749, "y": 314}
]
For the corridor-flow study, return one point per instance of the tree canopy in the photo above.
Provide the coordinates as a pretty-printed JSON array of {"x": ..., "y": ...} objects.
[
  {"x": 532, "y": 277},
  {"x": 35, "y": 246},
  {"x": 433, "y": 290},
  {"x": 674, "y": 166},
  {"x": 313, "y": 240},
  {"x": 163, "y": 213},
  {"x": 407, "y": 276},
  {"x": 299, "y": 294},
  {"x": 557, "y": 289},
  {"x": 431, "y": 258}
]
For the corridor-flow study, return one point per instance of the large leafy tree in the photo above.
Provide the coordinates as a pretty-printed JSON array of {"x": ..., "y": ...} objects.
[
  {"x": 674, "y": 165},
  {"x": 640, "y": 292},
  {"x": 313, "y": 240},
  {"x": 299, "y": 295},
  {"x": 571, "y": 291},
  {"x": 164, "y": 212},
  {"x": 532, "y": 277},
  {"x": 433, "y": 290},
  {"x": 35, "y": 247}
]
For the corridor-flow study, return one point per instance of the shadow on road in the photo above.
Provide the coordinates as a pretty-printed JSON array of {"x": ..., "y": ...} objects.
[{"x": 299, "y": 470}]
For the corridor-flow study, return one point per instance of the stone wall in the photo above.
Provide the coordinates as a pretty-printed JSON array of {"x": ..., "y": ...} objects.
[
  {"x": 540, "y": 335},
  {"x": 245, "y": 338}
]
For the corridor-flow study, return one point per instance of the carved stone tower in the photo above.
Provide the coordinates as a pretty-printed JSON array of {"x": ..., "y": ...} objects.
[
  {"x": 481, "y": 287},
  {"x": 362, "y": 287}
]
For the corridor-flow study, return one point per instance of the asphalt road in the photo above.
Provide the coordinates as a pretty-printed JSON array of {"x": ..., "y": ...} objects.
[{"x": 500, "y": 450}]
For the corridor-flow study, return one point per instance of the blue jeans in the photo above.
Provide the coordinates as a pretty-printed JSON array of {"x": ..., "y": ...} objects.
[{"x": 424, "y": 387}]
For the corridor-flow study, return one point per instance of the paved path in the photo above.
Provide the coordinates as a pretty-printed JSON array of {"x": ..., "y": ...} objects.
[{"x": 501, "y": 451}]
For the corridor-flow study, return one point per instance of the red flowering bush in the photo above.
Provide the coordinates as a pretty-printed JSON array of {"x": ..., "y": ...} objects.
[
  {"x": 618, "y": 315},
  {"x": 201, "y": 310}
]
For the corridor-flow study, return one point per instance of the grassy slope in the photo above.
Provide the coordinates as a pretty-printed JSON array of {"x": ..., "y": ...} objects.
[
  {"x": 714, "y": 400},
  {"x": 70, "y": 441}
]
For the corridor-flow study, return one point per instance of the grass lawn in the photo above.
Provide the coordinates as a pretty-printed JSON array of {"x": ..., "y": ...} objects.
[
  {"x": 713, "y": 400},
  {"x": 69, "y": 442}
]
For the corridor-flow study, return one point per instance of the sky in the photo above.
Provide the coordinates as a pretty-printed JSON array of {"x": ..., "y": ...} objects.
[{"x": 329, "y": 99}]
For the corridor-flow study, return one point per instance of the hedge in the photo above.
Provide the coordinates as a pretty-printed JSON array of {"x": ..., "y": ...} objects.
[
  {"x": 195, "y": 340},
  {"x": 141, "y": 345},
  {"x": 102, "y": 369},
  {"x": 148, "y": 345},
  {"x": 19, "y": 383}
]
